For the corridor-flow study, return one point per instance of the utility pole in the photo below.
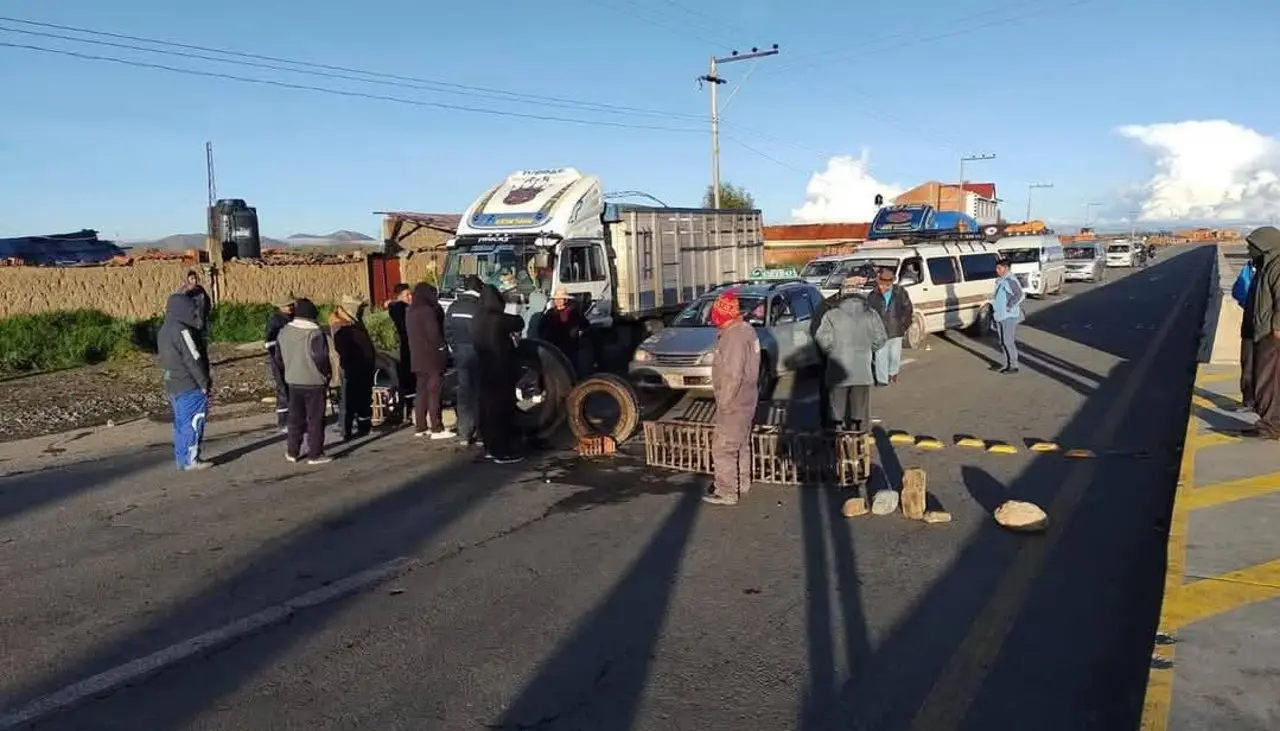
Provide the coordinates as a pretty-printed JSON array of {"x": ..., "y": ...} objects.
[
  {"x": 713, "y": 78},
  {"x": 1030, "y": 188},
  {"x": 963, "y": 160},
  {"x": 212, "y": 244},
  {"x": 1088, "y": 209}
]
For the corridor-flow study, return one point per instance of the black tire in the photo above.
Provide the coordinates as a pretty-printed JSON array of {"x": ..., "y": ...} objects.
[
  {"x": 555, "y": 376},
  {"x": 609, "y": 385},
  {"x": 765, "y": 381},
  {"x": 916, "y": 333}
]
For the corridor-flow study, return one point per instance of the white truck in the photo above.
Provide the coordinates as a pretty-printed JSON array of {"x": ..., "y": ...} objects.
[{"x": 629, "y": 267}]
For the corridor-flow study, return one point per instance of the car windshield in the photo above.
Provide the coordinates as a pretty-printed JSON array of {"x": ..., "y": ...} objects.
[
  {"x": 818, "y": 268},
  {"x": 1118, "y": 249},
  {"x": 1021, "y": 256},
  {"x": 698, "y": 314},
  {"x": 867, "y": 268},
  {"x": 505, "y": 267},
  {"x": 1080, "y": 252}
]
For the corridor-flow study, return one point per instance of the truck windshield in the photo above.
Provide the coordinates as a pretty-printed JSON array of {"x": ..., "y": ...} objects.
[
  {"x": 1080, "y": 252},
  {"x": 698, "y": 314},
  {"x": 1021, "y": 256},
  {"x": 505, "y": 267}
]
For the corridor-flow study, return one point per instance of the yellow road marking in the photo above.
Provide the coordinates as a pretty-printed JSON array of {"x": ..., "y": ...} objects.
[
  {"x": 1080, "y": 454},
  {"x": 1214, "y": 595},
  {"x": 1045, "y": 447},
  {"x": 1002, "y": 448},
  {"x": 1226, "y": 492},
  {"x": 1207, "y": 378},
  {"x": 929, "y": 443},
  {"x": 948, "y": 701},
  {"x": 971, "y": 442},
  {"x": 1213, "y": 439},
  {"x": 1203, "y": 402},
  {"x": 901, "y": 437}
]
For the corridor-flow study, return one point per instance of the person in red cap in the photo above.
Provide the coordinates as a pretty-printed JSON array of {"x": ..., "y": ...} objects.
[{"x": 734, "y": 377}]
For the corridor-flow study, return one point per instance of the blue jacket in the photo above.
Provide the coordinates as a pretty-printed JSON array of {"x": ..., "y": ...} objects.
[
  {"x": 1240, "y": 290},
  {"x": 1006, "y": 303}
]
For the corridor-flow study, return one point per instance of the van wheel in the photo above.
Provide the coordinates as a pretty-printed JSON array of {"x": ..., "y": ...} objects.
[{"x": 916, "y": 333}]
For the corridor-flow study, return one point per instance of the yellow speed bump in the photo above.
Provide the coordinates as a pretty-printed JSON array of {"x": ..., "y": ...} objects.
[
  {"x": 970, "y": 442},
  {"x": 929, "y": 443},
  {"x": 901, "y": 437},
  {"x": 1080, "y": 454},
  {"x": 1044, "y": 446},
  {"x": 1001, "y": 448}
]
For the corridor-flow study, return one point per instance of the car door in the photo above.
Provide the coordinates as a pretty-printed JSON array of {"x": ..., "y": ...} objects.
[
  {"x": 804, "y": 303},
  {"x": 782, "y": 327}
]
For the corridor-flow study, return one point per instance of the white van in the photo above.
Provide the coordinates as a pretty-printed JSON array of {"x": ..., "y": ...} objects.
[
  {"x": 950, "y": 283},
  {"x": 1121, "y": 253},
  {"x": 1037, "y": 261}
]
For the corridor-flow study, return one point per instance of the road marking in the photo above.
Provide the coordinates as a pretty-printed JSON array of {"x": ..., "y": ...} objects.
[
  {"x": 1208, "y": 378},
  {"x": 1226, "y": 492},
  {"x": 135, "y": 670},
  {"x": 1213, "y": 439},
  {"x": 959, "y": 682},
  {"x": 1213, "y": 595}
]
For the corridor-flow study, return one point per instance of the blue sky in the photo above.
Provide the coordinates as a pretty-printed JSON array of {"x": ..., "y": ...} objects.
[{"x": 1043, "y": 84}]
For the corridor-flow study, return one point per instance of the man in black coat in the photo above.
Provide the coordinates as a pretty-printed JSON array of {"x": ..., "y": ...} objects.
[
  {"x": 424, "y": 324},
  {"x": 459, "y": 333},
  {"x": 495, "y": 334},
  {"x": 892, "y": 302},
  {"x": 398, "y": 308}
]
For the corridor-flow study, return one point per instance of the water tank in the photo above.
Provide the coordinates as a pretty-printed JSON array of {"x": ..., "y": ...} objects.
[{"x": 235, "y": 225}]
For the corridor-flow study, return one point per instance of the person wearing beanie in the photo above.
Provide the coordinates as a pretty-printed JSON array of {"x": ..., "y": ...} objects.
[
  {"x": 304, "y": 351},
  {"x": 735, "y": 375}
]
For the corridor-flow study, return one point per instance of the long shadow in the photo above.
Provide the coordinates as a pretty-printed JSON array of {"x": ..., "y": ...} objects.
[
  {"x": 396, "y": 523},
  {"x": 1067, "y": 646},
  {"x": 1029, "y": 363},
  {"x": 610, "y": 653}
]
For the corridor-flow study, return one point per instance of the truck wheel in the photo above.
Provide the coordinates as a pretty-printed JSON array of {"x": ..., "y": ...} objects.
[
  {"x": 549, "y": 375},
  {"x": 916, "y": 333},
  {"x": 584, "y": 424}
]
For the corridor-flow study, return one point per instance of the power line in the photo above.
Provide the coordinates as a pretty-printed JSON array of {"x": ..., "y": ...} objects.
[
  {"x": 662, "y": 22},
  {"x": 426, "y": 84},
  {"x": 766, "y": 156},
  {"x": 342, "y": 92}
]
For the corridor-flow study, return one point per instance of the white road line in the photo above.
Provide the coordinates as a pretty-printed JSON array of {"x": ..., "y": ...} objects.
[{"x": 136, "y": 670}]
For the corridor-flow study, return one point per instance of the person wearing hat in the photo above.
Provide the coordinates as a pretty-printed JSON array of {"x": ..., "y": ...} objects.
[
  {"x": 304, "y": 350},
  {"x": 565, "y": 327},
  {"x": 356, "y": 362},
  {"x": 735, "y": 375},
  {"x": 276, "y": 321}
]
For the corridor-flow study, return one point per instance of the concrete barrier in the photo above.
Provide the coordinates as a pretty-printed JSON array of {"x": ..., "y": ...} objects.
[{"x": 1220, "y": 339}]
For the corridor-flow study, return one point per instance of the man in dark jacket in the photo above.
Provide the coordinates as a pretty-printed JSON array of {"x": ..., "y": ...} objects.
[
  {"x": 397, "y": 308},
  {"x": 424, "y": 323},
  {"x": 565, "y": 327},
  {"x": 304, "y": 350},
  {"x": 187, "y": 379},
  {"x": 495, "y": 334},
  {"x": 204, "y": 304},
  {"x": 459, "y": 333},
  {"x": 893, "y": 304},
  {"x": 275, "y": 323},
  {"x": 357, "y": 360},
  {"x": 1264, "y": 249}
]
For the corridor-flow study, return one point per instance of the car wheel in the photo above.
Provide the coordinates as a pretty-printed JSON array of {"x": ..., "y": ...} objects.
[{"x": 916, "y": 333}]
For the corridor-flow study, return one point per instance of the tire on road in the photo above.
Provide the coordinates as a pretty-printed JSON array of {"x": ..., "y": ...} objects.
[
  {"x": 555, "y": 377},
  {"x": 916, "y": 333},
  {"x": 620, "y": 391}
]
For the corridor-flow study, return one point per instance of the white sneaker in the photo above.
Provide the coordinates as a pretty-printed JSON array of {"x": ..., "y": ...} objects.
[
  {"x": 319, "y": 460},
  {"x": 446, "y": 434},
  {"x": 508, "y": 460},
  {"x": 197, "y": 465},
  {"x": 289, "y": 459},
  {"x": 420, "y": 434}
]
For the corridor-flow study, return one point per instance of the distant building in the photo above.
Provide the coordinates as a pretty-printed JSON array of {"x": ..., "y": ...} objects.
[
  {"x": 794, "y": 244},
  {"x": 71, "y": 249},
  {"x": 978, "y": 200},
  {"x": 410, "y": 231}
]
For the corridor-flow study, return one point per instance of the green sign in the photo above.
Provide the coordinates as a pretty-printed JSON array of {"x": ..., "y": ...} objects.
[{"x": 762, "y": 273}]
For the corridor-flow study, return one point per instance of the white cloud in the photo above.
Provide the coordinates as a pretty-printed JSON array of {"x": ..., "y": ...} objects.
[
  {"x": 1208, "y": 170},
  {"x": 845, "y": 191}
]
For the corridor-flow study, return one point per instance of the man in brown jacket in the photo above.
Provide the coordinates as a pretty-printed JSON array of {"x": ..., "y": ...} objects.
[
  {"x": 735, "y": 376},
  {"x": 1264, "y": 297}
]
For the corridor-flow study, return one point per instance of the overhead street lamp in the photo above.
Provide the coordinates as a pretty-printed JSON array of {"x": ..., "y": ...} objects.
[
  {"x": 1031, "y": 188},
  {"x": 713, "y": 78},
  {"x": 963, "y": 160},
  {"x": 1088, "y": 209}
]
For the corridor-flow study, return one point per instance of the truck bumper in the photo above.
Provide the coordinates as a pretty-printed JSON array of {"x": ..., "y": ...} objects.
[{"x": 649, "y": 375}]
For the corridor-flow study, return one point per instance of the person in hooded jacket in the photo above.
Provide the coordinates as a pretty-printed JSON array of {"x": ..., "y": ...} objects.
[
  {"x": 424, "y": 324},
  {"x": 204, "y": 304},
  {"x": 495, "y": 332},
  {"x": 304, "y": 349},
  {"x": 357, "y": 360},
  {"x": 1264, "y": 250},
  {"x": 735, "y": 375},
  {"x": 187, "y": 378},
  {"x": 276, "y": 321},
  {"x": 459, "y": 333},
  {"x": 406, "y": 384}
]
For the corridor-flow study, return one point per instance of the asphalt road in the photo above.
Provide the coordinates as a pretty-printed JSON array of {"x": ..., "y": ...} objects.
[{"x": 565, "y": 595}]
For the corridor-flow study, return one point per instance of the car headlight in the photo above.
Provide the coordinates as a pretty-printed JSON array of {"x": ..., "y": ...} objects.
[
  {"x": 643, "y": 356},
  {"x": 707, "y": 358}
]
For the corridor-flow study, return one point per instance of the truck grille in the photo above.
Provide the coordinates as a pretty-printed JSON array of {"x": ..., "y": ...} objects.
[{"x": 676, "y": 360}]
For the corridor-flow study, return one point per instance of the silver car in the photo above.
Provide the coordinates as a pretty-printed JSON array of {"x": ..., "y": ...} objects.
[
  {"x": 681, "y": 355},
  {"x": 1085, "y": 262}
]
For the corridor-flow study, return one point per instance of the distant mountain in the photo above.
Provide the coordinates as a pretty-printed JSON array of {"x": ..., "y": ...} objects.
[{"x": 342, "y": 236}]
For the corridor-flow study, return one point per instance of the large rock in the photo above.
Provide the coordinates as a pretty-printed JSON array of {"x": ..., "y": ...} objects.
[
  {"x": 1022, "y": 516},
  {"x": 855, "y": 506},
  {"x": 937, "y": 516},
  {"x": 913, "y": 494}
]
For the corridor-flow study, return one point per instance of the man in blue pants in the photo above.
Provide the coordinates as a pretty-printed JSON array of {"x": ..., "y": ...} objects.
[
  {"x": 187, "y": 380},
  {"x": 1006, "y": 310}
]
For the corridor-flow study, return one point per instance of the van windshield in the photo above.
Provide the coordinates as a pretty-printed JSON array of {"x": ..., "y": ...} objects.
[
  {"x": 867, "y": 268},
  {"x": 1081, "y": 252},
  {"x": 1021, "y": 256},
  {"x": 1118, "y": 249}
]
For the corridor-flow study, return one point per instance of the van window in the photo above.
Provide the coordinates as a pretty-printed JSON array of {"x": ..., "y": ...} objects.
[
  {"x": 1053, "y": 253},
  {"x": 977, "y": 267},
  {"x": 1022, "y": 256},
  {"x": 1081, "y": 253},
  {"x": 582, "y": 264},
  {"x": 942, "y": 270},
  {"x": 911, "y": 269}
]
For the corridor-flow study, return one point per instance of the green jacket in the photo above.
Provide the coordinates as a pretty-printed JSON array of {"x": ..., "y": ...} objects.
[{"x": 1264, "y": 248}]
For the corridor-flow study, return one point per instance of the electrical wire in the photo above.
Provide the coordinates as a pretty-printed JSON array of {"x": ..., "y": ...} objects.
[
  {"x": 343, "y": 92},
  {"x": 662, "y": 22}
]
